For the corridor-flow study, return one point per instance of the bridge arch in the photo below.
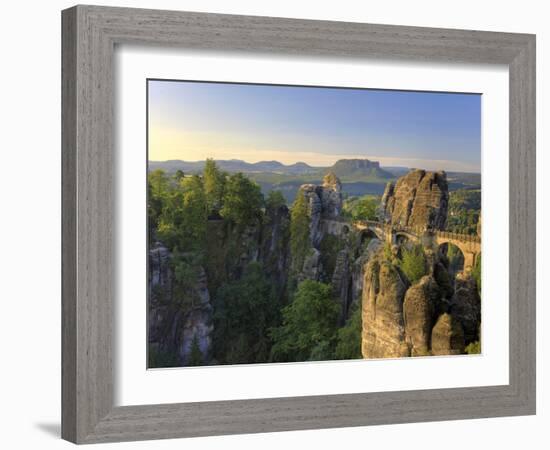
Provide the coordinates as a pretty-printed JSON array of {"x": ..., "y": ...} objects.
[
  {"x": 401, "y": 237},
  {"x": 367, "y": 234},
  {"x": 454, "y": 256},
  {"x": 470, "y": 246}
]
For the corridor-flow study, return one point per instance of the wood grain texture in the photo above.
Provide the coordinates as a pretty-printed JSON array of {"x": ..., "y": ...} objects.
[{"x": 89, "y": 36}]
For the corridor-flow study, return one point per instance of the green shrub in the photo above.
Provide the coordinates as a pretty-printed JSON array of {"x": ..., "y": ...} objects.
[
  {"x": 299, "y": 231},
  {"x": 329, "y": 247},
  {"x": 413, "y": 262},
  {"x": 362, "y": 208},
  {"x": 349, "y": 337},
  {"x": 309, "y": 325},
  {"x": 244, "y": 311},
  {"x": 473, "y": 348},
  {"x": 158, "y": 359}
]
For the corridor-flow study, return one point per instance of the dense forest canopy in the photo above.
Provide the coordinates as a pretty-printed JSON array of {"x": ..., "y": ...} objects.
[{"x": 253, "y": 319}]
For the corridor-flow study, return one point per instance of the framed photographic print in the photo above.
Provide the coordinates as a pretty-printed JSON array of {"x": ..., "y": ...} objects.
[{"x": 268, "y": 222}]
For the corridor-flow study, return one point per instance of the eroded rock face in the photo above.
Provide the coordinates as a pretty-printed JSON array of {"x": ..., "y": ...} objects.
[
  {"x": 312, "y": 266},
  {"x": 341, "y": 283},
  {"x": 419, "y": 200},
  {"x": 425, "y": 318},
  {"x": 275, "y": 252},
  {"x": 465, "y": 306},
  {"x": 324, "y": 202},
  {"x": 419, "y": 309},
  {"x": 175, "y": 319},
  {"x": 447, "y": 336},
  {"x": 331, "y": 196},
  {"x": 358, "y": 269},
  {"x": 315, "y": 208},
  {"x": 383, "y": 334},
  {"x": 197, "y": 322}
]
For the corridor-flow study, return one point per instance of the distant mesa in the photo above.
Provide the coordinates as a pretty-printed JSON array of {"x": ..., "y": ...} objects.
[
  {"x": 359, "y": 168},
  {"x": 354, "y": 168}
]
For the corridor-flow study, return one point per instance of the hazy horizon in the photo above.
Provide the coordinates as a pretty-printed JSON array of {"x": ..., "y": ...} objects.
[
  {"x": 297, "y": 162},
  {"x": 193, "y": 121}
]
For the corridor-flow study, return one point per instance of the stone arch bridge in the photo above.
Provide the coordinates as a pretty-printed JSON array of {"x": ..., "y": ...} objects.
[{"x": 469, "y": 245}]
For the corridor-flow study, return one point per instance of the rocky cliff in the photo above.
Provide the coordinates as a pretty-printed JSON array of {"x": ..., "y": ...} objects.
[
  {"x": 384, "y": 290},
  {"x": 324, "y": 202},
  {"x": 418, "y": 319},
  {"x": 439, "y": 313},
  {"x": 418, "y": 199},
  {"x": 336, "y": 256},
  {"x": 176, "y": 318}
]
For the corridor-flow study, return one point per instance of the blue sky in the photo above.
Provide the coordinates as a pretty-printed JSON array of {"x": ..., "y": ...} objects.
[{"x": 194, "y": 120}]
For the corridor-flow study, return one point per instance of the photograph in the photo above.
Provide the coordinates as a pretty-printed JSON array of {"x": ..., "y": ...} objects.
[{"x": 300, "y": 223}]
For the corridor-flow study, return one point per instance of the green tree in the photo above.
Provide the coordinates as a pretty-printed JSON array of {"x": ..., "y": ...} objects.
[
  {"x": 182, "y": 222},
  {"x": 309, "y": 325},
  {"x": 195, "y": 213},
  {"x": 464, "y": 211},
  {"x": 242, "y": 201},
  {"x": 275, "y": 199},
  {"x": 244, "y": 311},
  {"x": 158, "y": 187},
  {"x": 349, "y": 337},
  {"x": 363, "y": 208},
  {"x": 299, "y": 230},
  {"x": 413, "y": 262},
  {"x": 179, "y": 175},
  {"x": 214, "y": 184},
  {"x": 329, "y": 247},
  {"x": 186, "y": 270},
  {"x": 473, "y": 348},
  {"x": 195, "y": 354}
]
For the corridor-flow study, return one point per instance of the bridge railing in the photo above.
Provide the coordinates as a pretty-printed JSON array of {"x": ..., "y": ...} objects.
[
  {"x": 418, "y": 231},
  {"x": 458, "y": 236}
]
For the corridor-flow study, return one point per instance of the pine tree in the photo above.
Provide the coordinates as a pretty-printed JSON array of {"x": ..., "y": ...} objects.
[
  {"x": 299, "y": 230},
  {"x": 214, "y": 184}
]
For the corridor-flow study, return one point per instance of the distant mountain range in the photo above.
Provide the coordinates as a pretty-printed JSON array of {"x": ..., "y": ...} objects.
[
  {"x": 356, "y": 169},
  {"x": 236, "y": 165},
  {"x": 358, "y": 176}
]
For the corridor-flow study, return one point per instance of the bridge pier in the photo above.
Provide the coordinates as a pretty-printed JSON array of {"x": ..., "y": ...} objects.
[{"x": 469, "y": 261}]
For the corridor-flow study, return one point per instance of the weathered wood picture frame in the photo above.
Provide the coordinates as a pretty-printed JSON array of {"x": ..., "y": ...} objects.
[{"x": 90, "y": 34}]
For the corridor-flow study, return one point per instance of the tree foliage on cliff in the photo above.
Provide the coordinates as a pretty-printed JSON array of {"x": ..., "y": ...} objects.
[
  {"x": 244, "y": 311},
  {"x": 214, "y": 186},
  {"x": 299, "y": 230},
  {"x": 309, "y": 325},
  {"x": 349, "y": 337},
  {"x": 242, "y": 201},
  {"x": 413, "y": 262},
  {"x": 361, "y": 208},
  {"x": 275, "y": 200},
  {"x": 177, "y": 211},
  {"x": 464, "y": 211}
]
